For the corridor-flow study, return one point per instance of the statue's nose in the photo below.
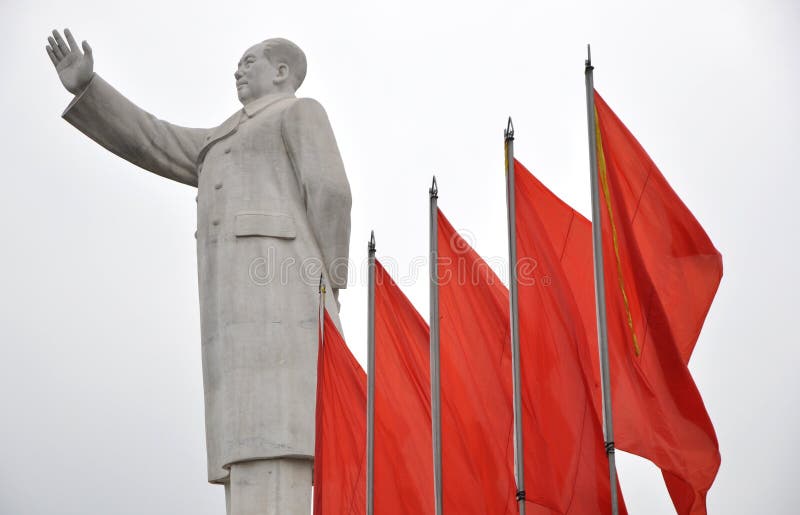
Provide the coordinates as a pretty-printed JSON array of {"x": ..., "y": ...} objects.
[{"x": 237, "y": 75}]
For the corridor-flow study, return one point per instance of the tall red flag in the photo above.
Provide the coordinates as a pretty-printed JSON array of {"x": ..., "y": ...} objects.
[
  {"x": 340, "y": 462},
  {"x": 565, "y": 459},
  {"x": 680, "y": 268},
  {"x": 403, "y": 453},
  {"x": 565, "y": 464},
  {"x": 477, "y": 473},
  {"x": 661, "y": 273},
  {"x": 475, "y": 368},
  {"x": 403, "y": 480}
]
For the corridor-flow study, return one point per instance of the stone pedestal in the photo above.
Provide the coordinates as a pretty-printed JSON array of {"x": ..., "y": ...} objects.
[{"x": 269, "y": 487}]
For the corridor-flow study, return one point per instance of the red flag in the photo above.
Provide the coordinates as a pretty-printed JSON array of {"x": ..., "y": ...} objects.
[
  {"x": 681, "y": 268},
  {"x": 661, "y": 274},
  {"x": 403, "y": 480},
  {"x": 403, "y": 452},
  {"x": 565, "y": 463},
  {"x": 565, "y": 460},
  {"x": 340, "y": 462},
  {"x": 475, "y": 369}
]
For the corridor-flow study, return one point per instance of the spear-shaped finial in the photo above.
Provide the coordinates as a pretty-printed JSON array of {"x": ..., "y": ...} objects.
[
  {"x": 509, "y": 132},
  {"x": 321, "y": 284},
  {"x": 588, "y": 55},
  {"x": 434, "y": 191},
  {"x": 371, "y": 243}
]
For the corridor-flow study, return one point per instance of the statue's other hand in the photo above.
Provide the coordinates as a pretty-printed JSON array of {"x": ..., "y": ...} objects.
[{"x": 75, "y": 68}]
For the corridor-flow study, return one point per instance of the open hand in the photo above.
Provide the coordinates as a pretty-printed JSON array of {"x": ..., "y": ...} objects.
[{"x": 75, "y": 69}]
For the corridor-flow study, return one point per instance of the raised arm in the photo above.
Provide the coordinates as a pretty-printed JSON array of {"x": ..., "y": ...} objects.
[{"x": 110, "y": 119}]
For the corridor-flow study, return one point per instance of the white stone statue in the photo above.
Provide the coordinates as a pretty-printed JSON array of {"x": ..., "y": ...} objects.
[{"x": 273, "y": 199}]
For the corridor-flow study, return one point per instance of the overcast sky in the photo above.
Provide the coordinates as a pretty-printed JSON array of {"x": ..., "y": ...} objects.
[{"x": 101, "y": 409}]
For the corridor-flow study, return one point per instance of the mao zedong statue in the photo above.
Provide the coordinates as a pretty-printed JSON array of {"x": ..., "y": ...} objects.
[{"x": 271, "y": 186}]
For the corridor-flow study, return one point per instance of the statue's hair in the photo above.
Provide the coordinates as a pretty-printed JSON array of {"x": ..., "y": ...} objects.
[{"x": 279, "y": 50}]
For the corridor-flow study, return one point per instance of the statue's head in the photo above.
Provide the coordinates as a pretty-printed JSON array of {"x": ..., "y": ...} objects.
[{"x": 272, "y": 66}]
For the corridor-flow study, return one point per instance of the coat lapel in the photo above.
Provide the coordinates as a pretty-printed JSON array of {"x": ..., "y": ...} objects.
[
  {"x": 230, "y": 125},
  {"x": 227, "y": 128}
]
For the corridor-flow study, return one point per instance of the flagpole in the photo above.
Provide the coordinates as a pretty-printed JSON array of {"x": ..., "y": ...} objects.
[
  {"x": 436, "y": 420},
  {"x": 371, "y": 376},
  {"x": 599, "y": 282},
  {"x": 322, "y": 308},
  {"x": 519, "y": 448}
]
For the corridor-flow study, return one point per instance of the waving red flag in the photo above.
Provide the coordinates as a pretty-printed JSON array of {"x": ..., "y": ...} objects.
[
  {"x": 340, "y": 462},
  {"x": 565, "y": 459},
  {"x": 680, "y": 268},
  {"x": 403, "y": 453},
  {"x": 566, "y": 471},
  {"x": 662, "y": 273},
  {"x": 475, "y": 364},
  {"x": 477, "y": 474}
]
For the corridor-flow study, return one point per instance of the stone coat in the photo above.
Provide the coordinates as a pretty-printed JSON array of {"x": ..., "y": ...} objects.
[{"x": 273, "y": 212}]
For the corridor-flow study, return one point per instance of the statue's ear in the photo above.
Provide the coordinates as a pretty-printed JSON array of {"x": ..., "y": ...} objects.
[{"x": 283, "y": 74}]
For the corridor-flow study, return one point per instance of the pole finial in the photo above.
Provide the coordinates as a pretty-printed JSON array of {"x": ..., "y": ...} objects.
[
  {"x": 371, "y": 243},
  {"x": 321, "y": 284},
  {"x": 588, "y": 61},
  {"x": 434, "y": 191},
  {"x": 509, "y": 132}
]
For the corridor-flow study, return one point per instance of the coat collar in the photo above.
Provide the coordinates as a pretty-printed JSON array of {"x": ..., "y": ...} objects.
[
  {"x": 230, "y": 125},
  {"x": 258, "y": 105}
]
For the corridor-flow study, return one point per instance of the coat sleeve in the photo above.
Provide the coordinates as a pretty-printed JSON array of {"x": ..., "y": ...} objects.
[
  {"x": 323, "y": 184},
  {"x": 113, "y": 121}
]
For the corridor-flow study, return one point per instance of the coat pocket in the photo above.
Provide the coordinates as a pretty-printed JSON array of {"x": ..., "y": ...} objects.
[{"x": 260, "y": 223}]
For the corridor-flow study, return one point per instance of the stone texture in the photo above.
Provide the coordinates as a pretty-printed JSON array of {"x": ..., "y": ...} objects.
[
  {"x": 270, "y": 487},
  {"x": 273, "y": 213}
]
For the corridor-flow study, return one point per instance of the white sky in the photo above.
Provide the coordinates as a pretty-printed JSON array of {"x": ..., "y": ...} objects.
[{"x": 101, "y": 408}]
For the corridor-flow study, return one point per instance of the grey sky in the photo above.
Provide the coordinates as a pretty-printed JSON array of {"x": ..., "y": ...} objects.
[{"x": 99, "y": 355}]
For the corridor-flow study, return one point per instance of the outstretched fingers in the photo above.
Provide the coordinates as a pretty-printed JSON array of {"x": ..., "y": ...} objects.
[
  {"x": 56, "y": 50},
  {"x": 52, "y": 55},
  {"x": 73, "y": 46},
  {"x": 62, "y": 45}
]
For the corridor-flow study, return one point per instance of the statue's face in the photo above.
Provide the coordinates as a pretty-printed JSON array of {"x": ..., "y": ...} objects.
[{"x": 256, "y": 76}]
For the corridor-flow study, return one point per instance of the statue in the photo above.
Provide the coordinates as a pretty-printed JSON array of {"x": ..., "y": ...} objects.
[{"x": 272, "y": 190}]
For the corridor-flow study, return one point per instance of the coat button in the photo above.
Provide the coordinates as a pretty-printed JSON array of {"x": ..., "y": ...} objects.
[
  {"x": 215, "y": 222},
  {"x": 218, "y": 186},
  {"x": 195, "y": 235},
  {"x": 197, "y": 198},
  {"x": 228, "y": 150}
]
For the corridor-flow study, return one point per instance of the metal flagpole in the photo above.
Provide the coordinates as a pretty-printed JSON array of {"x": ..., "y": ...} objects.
[
  {"x": 519, "y": 448},
  {"x": 599, "y": 283},
  {"x": 322, "y": 308},
  {"x": 436, "y": 420},
  {"x": 371, "y": 376}
]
